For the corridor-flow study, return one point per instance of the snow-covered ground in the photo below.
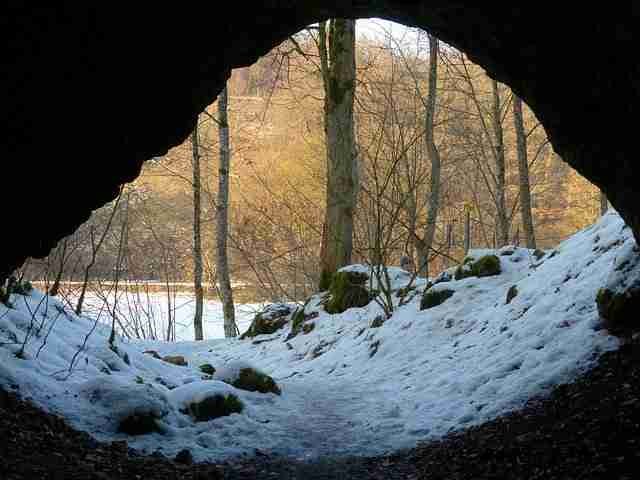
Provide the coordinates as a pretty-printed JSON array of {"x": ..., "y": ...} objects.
[
  {"x": 154, "y": 308},
  {"x": 347, "y": 387}
]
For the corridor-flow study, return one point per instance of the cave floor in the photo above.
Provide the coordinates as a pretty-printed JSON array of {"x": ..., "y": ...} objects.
[{"x": 587, "y": 429}]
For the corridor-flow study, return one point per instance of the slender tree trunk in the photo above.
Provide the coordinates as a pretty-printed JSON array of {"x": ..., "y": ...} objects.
[
  {"x": 604, "y": 203},
  {"x": 502, "y": 221},
  {"x": 467, "y": 230},
  {"x": 339, "y": 75},
  {"x": 197, "y": 239},
  {"x": 222, "y": 219},
  {"x": 523, "y": 173},
  {"x": 423, "y": 246},
  {"x": 55, "y": 288}
]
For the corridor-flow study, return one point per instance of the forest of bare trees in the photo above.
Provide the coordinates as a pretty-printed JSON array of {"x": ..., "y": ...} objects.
[{"x": 332, "y": 149}]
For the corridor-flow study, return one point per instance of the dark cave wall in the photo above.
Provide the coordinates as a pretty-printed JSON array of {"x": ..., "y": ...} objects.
[{"x": 92, "y": 91}]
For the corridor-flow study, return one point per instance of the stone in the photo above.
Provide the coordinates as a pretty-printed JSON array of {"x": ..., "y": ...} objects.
[
  {"x": 433, "y": 298},
  {"x": 175, "y": 360}
]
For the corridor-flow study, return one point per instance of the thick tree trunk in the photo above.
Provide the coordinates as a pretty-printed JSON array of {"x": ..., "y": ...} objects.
[
  {"x": 197, "y": 238},
  {"x": 523, "y": 173},
  {"x": 339, "y": 75},
  {"x": 222, "y": 219},
  {"x": 433, "y": 202},
  {"x": 502, "y": 220}
]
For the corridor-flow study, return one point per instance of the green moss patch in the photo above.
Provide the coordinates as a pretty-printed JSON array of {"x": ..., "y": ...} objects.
[
  {"x": 347, "y": 290},
  {"x": 432, "y": 298},
  {"x": 486, "y": 266},
  {"x": 252, "y": 380},
  {"x": 214, "y": 407}
]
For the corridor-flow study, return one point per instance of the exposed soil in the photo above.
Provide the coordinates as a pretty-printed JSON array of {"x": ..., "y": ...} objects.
[{"x": 589, "y": 429}]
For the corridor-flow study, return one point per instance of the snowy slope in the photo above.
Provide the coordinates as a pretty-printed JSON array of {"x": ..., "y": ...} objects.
[{"x": 347, "y": 388}]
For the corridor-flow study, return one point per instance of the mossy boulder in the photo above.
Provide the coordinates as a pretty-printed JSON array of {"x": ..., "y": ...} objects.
[
  {"x": 269, "y": 320},
  {"x": 485, "y": 266},
  {"x": 252, "y": 380},
  {"x": 347, "y": 290},
  {"x": 175, "y": 360},
  {"x": 207, "y": 369},
  {"x": 433, "y": 298},
  {"x": 214, "y": 406},
  {"x": 619, "y": 311}
]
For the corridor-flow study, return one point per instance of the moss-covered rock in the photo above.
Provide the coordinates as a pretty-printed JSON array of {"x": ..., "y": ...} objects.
[
  {"x": 619, "y": 311},
  {"x": 433, "y": 298},
  {"x": 207, "y": 369},
  {"x": 252, "y": 380},
  {"x": 308, "y": 328},
  {"x": 325, "y": 280},
  {"x": 485, "y": 266},
  {"x": 268, "y": 321},
  {"x": 214, "y": 406},
  {"x": 538, "y": 254},
  {"x": 175, "y": 360},
  {"x": 347, "y": 290},
  {"x": 511, "y": 294}
]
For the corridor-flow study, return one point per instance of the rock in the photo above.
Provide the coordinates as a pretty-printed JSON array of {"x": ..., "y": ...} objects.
[
  {"x": 184, "y": 457},
  {"x": 511, "y": 294},
  {"x": 433, "y": 298},
  {"x": 252, "y": 380},
  {"x": 139, "y": 424},
  {"x": 347, "y": 290},
  {"x": 269, "y": 320},
  {"x": 207, "y": 369},
  {"x": 485, "y": 266},
  {"x": 153, "y": 353},
  {"x": 378, "y": 321},
  {"x": 619, "y": 311},
  {"x": 175, "y": 360},
  {"x": 298, "y": 324},
  {"x": 214, "y": 406}
]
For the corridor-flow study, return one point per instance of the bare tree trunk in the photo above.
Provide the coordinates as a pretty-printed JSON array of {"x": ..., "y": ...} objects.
[
  {"x": 55, "y": 288},
  {"x": 197, "y": 238},
  {"x": 222, "y": 219},
  {"x": 502, "y": 220},
  {"x": 424, "y": 245},
  {"x": 604, "y": 203},
  {"x": 467, "y": 230},
  {"x": 339, "y": 74},
  {"x": 523, "y": 173}
]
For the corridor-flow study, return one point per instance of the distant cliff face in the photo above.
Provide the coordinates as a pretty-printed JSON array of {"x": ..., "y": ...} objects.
[{"x": 93, "y": 90}]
